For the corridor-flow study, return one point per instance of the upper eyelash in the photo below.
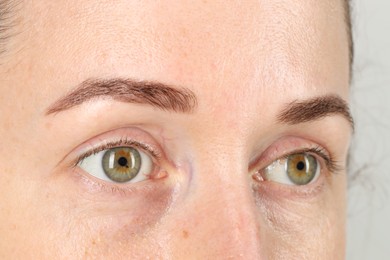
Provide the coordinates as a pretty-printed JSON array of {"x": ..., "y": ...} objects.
[
  {"x": 331, "y": 164},
  {"x": 121, "y": 142}
]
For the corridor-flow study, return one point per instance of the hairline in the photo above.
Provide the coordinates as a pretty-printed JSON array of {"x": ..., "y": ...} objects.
[{"x": 348, "y": 22}]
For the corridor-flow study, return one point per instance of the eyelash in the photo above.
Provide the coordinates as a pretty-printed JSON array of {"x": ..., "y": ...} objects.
[
  {"x": 122, "y": 142},
  {"x": 331, "y": 164}
]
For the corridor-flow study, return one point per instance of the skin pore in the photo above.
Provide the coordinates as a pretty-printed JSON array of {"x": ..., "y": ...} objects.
[{"x": 216, "y": 97}]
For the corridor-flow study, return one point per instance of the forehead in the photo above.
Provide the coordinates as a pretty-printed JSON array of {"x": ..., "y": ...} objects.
[{"x": 211, "y": 46}]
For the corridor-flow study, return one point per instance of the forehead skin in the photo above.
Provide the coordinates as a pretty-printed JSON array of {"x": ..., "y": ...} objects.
[
  {"x": 272, "y": 44},
  {"x": 243, "y": 60}
]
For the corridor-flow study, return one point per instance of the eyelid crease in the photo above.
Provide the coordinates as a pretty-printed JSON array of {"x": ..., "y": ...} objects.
[{"x": 122, "y": 142}]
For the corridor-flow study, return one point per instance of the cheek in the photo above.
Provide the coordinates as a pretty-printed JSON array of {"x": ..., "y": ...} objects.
[
  {"x": 96, "y": 222},
  {"x": 305, "y": 228}
]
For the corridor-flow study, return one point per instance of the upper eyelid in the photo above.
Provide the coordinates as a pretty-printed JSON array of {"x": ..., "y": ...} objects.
[
  {"x": 127, "y": 142},
  {"x": 317, "y": 152},
  {"x": 287, "y": 146},
  {"x": 331, "y": 165},
  {"x": 135, "y": 136}
]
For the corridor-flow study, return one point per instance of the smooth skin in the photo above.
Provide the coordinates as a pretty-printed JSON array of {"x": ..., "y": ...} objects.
[{"x": 244, "y": 61}]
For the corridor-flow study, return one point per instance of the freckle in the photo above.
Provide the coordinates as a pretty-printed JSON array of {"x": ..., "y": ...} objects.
[{"x": 185, "y": 234}]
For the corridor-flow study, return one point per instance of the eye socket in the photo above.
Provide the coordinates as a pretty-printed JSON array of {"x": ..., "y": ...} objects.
[
  {"x": 296, "y": 169},
  {"x": 119, "y": 164}
]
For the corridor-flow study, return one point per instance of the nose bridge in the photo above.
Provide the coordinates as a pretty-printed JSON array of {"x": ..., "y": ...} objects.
[{"x": 223, "y": 205}]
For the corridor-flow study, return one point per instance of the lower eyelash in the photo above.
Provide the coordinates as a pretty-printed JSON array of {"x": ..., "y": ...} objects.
[{"x": 120, "y": 190}]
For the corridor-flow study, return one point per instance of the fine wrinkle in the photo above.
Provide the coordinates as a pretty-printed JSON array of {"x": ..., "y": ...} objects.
[{"x": 7, "y": 22}]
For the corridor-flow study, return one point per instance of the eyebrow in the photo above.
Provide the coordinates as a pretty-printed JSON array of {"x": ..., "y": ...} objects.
[
  {"x": 316, "y": 108},
  {"x": 156, "y": 94}
]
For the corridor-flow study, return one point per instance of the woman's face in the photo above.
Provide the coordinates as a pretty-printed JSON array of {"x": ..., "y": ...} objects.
[{"x": 174, "y": 129}]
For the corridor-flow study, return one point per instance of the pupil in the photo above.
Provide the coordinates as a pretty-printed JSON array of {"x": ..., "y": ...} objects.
[
  {"x": 122, "y": 161},
  {"x": 301, "y": 166}
]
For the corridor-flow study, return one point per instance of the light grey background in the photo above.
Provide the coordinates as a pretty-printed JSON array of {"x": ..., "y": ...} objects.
[{"x": 369, "y": 192}]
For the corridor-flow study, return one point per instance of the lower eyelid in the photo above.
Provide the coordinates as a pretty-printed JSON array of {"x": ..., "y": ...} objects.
[
  {"x": 124, "y": 208},
  {"x": 276, "y": 190},
  {"x": 94, "y": 186}
]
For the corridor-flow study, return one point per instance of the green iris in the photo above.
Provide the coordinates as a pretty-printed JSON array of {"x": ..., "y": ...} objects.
[
  {"x": 121, "y": 164},
  {"x": 301, "y": 168}
]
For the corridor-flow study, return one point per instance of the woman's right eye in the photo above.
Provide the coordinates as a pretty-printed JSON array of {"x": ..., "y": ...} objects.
[{"x": 119, "y": 164}]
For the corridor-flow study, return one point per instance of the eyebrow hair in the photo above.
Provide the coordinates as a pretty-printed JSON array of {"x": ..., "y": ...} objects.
[
  {"x": 298, "y": 112},
  {"x": 156, "y": 94}
]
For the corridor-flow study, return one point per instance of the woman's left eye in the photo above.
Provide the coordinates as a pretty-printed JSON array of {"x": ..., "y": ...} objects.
[
  {"x": 120, "y": 164},
  {"x": 295, "y": 169}
]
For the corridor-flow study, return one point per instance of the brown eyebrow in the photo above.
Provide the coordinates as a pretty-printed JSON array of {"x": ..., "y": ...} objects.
[
  {"x": 156, "y": 94},
  {"x": 298, "y": 112}
]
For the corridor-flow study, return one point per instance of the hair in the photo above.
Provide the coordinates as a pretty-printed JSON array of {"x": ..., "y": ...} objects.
[{"x": 348, "y": 22}]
